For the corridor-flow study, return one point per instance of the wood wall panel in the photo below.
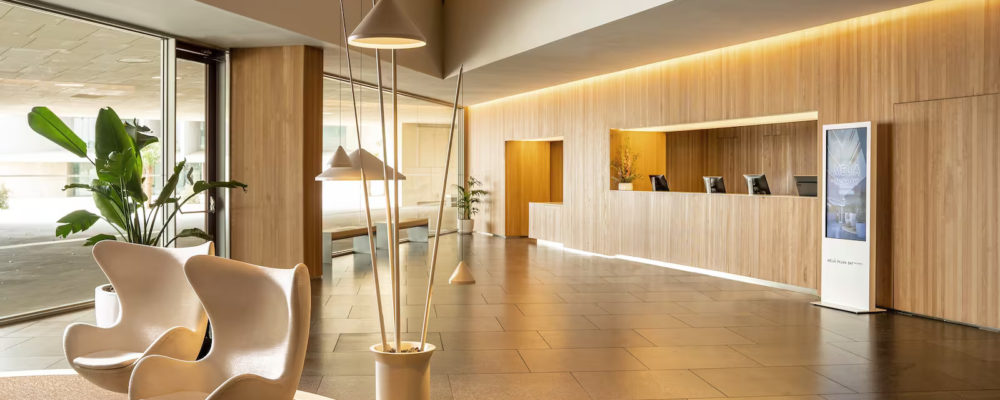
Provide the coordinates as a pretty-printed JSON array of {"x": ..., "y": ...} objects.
[
  {"x": 853, "y": 70},
  {"x": 276, "y": 144},
  {"x": 949, "y": 235}
]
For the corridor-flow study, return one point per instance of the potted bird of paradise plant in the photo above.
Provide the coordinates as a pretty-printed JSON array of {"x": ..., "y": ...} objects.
[{"x": 117, "y": 192}]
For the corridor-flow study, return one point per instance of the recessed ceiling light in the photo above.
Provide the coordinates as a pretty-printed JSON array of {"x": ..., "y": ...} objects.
[
  {"x": 69, "y": 84},
  {"x": 134, "y": 60}
]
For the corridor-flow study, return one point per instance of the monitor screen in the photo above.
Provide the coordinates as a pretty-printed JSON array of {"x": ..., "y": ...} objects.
[
  {"x": 757, "y": 184},
  {"x": 714, "y": 184},
  {"x": 659, "y": 183},
  {"x": 805, "y": 185},
  {"x": 846, "y": 183}
]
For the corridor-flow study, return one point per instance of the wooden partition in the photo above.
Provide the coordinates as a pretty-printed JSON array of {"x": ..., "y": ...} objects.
[
  {"x": 276, "y": 145},
  {"x": 849, "y": 71}
]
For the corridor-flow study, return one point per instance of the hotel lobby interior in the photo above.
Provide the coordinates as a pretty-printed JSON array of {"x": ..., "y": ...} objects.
[{"x": 474, "y": 199}]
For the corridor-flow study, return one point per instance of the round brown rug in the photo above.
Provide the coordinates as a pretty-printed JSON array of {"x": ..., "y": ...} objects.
[{"x": 67, "y": 385}]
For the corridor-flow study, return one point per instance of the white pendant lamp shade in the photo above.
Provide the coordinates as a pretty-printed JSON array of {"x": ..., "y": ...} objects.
[
  {"x": 348, "y": 168},
  {"x": 387, "y": 27}
]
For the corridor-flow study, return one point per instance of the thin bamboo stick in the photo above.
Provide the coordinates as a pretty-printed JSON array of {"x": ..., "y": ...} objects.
[
  {"x": 364, "y": 181},
  {"x": 395, "y": 194},
  {"x": 388, "y": 204},
  {"x": 437, "y": 229}
]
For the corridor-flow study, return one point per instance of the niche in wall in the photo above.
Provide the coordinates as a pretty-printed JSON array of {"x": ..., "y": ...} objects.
[
  {"x": 533, "y": 173},
  {"x": 779, "y": 150}
]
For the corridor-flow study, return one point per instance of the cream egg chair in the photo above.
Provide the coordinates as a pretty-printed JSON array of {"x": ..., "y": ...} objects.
[
  {"x": 260, "y": 329},
  {"x": 160, "y": 313}
]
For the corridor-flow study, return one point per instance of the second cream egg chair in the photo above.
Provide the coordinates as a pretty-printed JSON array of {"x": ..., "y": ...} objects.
[{"x": 260, "y": 327}]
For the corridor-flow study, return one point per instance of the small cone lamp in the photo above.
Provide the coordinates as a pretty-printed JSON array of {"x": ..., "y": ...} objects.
[
  {"x": 462, "y": 275},
  {"x": 343, "y": 167}
]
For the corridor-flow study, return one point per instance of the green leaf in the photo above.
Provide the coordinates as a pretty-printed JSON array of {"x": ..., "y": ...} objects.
[
  {"x": 171, "y": 186},
  {"x": 202, "y": 186},
  {"x": 117, "y": 167},
  {"x": 46, "y": 123},
  {"x": 137, "y": 133},
  {"x": 193, "y": 232},
  {"x": 111, "y": 137},
  {"x": 108, "y": 202},
  {"x": 76, "y": 221},
  {"x": 98, "y": 238}
]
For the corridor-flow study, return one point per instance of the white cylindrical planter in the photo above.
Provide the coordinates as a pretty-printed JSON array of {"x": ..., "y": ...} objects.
[
  {"x": 625, "y": 186},
  {"x": 403, "y": 376},
  {"x": 106, "y": 307},
  {"x": 465, "y": 226}
]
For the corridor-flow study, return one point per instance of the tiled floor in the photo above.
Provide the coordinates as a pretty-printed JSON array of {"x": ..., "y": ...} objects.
[{"x": 541, "y": 323}]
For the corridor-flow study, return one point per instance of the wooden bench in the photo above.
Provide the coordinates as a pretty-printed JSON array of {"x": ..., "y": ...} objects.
[{"x": 416, "y": 231}]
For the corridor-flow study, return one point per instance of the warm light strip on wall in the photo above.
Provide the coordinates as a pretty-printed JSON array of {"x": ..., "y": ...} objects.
[
  {"x": 731, "y": 123},
  {"x": 547, "y": 139},
  {"x": 796, "y": 36}
]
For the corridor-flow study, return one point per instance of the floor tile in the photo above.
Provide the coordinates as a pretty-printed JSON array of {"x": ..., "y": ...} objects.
[
  {"x": 616, "y": 359},
  {"x": 533, "y": 310},
  {"x": 643, "y": 308},
  {"x": 537, "y": 386},
  {"x": 645, "y": 385},
  {"x": 455, "y": 324},
  {"x": 790, "y": 354},
  {"x": 722, "y": 320},
  {"x": 692, "y": 336},
  {"x": 557, "y": 322},
  {"x": 493, "y": 340},
  {"x": 477, "y": 362},
  {"x": 769, "y": 381},
  {"x": 691, "y": 357},
  {"x": 594, "y": 338},
  {"x": 787, "y": 334},
  {"x": 635, "y": 321},
  {"x": 599, "y": 298},
  {"x": 348, "y": 342},
  {"x": 866, "y": 378},
  {"x": 476, "y": 310}
]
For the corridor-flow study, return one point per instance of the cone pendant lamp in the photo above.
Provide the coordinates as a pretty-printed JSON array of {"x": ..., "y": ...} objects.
[
  {"x": 462, "y": 275},
  {"x": 387, "y": 27},
  {"x": 343, "y": 167}
]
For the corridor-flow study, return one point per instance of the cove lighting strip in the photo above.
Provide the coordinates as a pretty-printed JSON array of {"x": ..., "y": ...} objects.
[{"x": 731, "y": 123}]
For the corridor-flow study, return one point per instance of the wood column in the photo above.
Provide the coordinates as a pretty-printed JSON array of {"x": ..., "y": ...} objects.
[{"x": 276, "y": 149}]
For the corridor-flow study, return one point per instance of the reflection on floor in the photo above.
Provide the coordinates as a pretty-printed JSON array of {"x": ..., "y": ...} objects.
[{"x": 542, "y": 323}]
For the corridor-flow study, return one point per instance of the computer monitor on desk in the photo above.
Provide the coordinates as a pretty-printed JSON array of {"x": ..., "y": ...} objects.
[
  {"x": 659, "y": 183},
  {"x": 757, "y": 184},
  {"x": 714, "y": 184},
  {"x": 806, "y": 185}
]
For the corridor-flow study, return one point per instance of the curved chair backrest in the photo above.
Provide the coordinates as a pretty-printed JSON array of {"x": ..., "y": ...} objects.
[
  {"x": 259, "y": 315},
  {"x": 152, "y": 288}
]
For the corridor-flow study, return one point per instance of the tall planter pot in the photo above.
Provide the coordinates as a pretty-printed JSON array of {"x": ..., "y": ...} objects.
[
  {"x": 403, "y": 376},
  {"x": 465, "y": 226},
  {"x": 106, "y": 306}
]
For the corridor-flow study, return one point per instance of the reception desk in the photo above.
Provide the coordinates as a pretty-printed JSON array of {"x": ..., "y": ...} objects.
[{"x": 771, "y": 238}]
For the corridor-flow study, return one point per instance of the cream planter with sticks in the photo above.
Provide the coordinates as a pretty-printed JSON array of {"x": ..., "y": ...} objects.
[{"x": 623, "y": 168}]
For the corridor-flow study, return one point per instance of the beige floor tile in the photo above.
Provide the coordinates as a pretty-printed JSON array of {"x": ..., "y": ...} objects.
[
  {"x": 770, "y": 381},
  {"x": 580, "y": 360},
  {"x": 533, "y": 310},
  {"x": 370, "y": 310},
  {"x": 594, "y": 339},
  {"x": 599, "y": 298},
  {"x": 635, "y": 321},
  {"x": 789, "y": 354},
  {"x": 501, "y": 298},
  {"x": 476, "y": 310},
  {"x": 744, "y": 294},
  {"x": 455, "y": 324},
  {"x": 8, "y": 364},
  {"x": 477, "y": 362},
  {"x": 544, "y": 386},
  {"x": 352, "y": 342},
  {"x": 810, "y": 397},
  {"x": 322, "y": 342},
  {"x": 556, "y": 322},
  {"x": 357, "y": 363},
  {"x": 420, "y": 297},
  {"x": 680, "y": 295},
  {"x": 42, "y": 346},
  {"x": 788, "y": 334},
  {"x": 493, "y": 340},
  {"x": 643, "y": 308},
  {"x": 645, "y": 385},
  {"x": 363, "y": 387},
  {"x": 691, "y": 357},
  {"x": 722, "y": 320},
  {"x": 332, "y": 311},
  {"x": 348, "y": 325},
  {"x": 692, "y": 336},
  {"x": 719, "y": 306}
]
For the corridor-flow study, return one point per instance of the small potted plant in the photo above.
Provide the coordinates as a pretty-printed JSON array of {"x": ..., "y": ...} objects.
[
  {"x": 118, "y": 190},
  {"x": 468, "y": 197},
  {"x": 623, "y": 168}
]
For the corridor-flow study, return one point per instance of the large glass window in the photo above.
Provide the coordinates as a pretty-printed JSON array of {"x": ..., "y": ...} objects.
[
  {"x": 423, "y": 139},
  {"x": 74, "y": 68}
]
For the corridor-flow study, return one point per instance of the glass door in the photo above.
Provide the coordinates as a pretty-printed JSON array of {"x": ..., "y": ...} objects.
[{"x": 197, "y": 96}]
